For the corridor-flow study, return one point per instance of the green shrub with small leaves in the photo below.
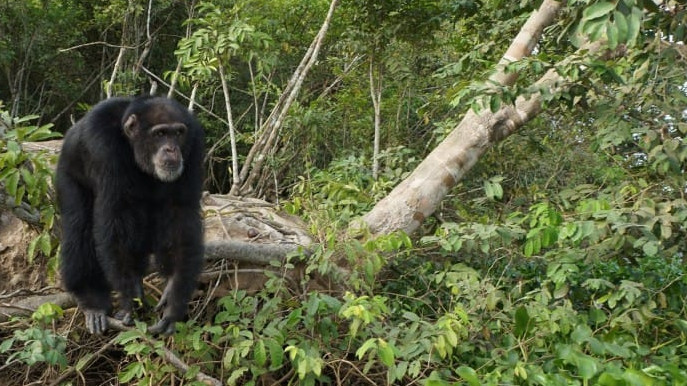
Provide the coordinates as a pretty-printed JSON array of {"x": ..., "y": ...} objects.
[
  {"x": 26, "y": 178},
  {"x": 39, "y": 343}
]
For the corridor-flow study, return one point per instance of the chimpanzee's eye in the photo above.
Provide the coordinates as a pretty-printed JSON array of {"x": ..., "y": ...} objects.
[{"x": 159, "y": 133}]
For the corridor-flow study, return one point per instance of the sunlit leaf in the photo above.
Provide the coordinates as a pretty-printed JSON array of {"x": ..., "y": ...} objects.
[
  {"x": 522, "y": 321},
  {"x": 386, "y": 353},
  {"x": 597, "y": 10},
  {"x": 469, "y": 375}
]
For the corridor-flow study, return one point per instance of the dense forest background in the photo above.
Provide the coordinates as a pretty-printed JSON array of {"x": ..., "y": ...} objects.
[{"x": 494, "y": 189}]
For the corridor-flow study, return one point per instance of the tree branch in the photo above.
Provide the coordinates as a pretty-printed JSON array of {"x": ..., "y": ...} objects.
[
  {"x": 258, "y": 153},
  {"x": 418, "y": 196}
]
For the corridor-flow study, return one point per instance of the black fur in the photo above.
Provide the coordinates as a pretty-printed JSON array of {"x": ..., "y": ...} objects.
[{"x": 115, "y": 213}]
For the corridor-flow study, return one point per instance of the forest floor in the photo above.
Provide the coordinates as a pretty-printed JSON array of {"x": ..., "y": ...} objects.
[
  {"x": 17, "y": 273},
  {"x": 242, "y": 236}
]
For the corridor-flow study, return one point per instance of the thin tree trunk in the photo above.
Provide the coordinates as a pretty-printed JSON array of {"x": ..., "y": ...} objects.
[
  {"x": 149, "y": 40},
  {"x": 173, "y": 81},
  {"x": 418, "y": 196},
  {"x": 256, "y": 106},
  {"x": 232, "y": 131},
  {"x": 252, "y": 168},
  {"x": 21, "y": 79},
  {"x": 120, "y": 56},
  {"x": 118, "y": 63},
  {"x": 192, "y": 99},
  {"x": 376, "y": 95}
]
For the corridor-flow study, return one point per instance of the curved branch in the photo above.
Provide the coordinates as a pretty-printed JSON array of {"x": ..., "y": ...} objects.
[{"x": 258, "y": 153}]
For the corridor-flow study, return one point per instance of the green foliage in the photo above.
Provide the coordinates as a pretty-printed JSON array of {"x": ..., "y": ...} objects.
[
  {"x": 27, "y": 176},
  {"x": 346, "y": 189},
  {"x": 605, "y": 265},
  {"x": 618, "y": 23},
  {"x": 219, "y": 35},
  {"x": 558, "y": 260},
  {"x": 39, "y": 343}
]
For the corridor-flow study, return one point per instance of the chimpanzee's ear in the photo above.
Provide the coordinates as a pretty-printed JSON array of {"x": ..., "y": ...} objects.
[{"x": 131, "y": 126}]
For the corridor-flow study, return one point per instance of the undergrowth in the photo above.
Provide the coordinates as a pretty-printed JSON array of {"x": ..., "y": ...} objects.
[{"x": 570, "y": 292}]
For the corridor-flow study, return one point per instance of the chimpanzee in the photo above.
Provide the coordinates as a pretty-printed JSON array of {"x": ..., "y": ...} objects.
[{"x": 128, "y": 183}]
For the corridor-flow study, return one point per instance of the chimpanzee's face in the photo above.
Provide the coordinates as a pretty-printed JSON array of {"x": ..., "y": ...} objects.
[{"x": 157, "y": 141}]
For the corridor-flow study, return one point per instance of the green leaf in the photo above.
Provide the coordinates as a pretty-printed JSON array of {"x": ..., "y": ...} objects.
[
  {"x": 612, "y": 35},
  {"x": 564, "y": 352},
  {"x": 549, "y": 236},
  {"x": 6, "y": 345},
  {"x": 47, "y": 312},
  {"x": 259, "y": 353},
  {"x": 31, "y": 251},
  {"x": 228, "y": 358},
  {"x": 581, "y": 333},
  {"x": 650, "y": 248},
  {"x": 597, "y": 316},
  {"x": 609, "y": 379},
  {"x": 276, "y": 353},
  {"x": 386, "y": 353},
  {"x": 132, "y": 370},
  {"x": 399, "y": 370},
  {"x": 236, "y": 375},
  {"x": 370, "y": 343},
  {"x": 561, "y": 290},
  {"x": 411, "y": 316},
  {"x": 315, "y": 365},
  {"x": 597, "y": 10},
  {"x": 302, "y": 369},
  {"x": 529, "y": 248},
  {"x": 680, "y": 323},
  {"x": 633, "y": 24},
  {"x": 451, "y": 337},
  {"x": 621, "y": 26},
  {"x": 586, "y": 366},
  {"x": 522, "y": 320},
  {"x": 12, "y": 182},
  {"x": 45, "y": 244},
  {"x": 494, "y": 103},
  {"x": 192, "y": 372},
  {"x": 128, "y": 336},
  {"x": 469, "y": 375},
  {"x": 14, "y": 149},
  {"x": 28, "y": 178},
  {"x": 488, "y": 189}
]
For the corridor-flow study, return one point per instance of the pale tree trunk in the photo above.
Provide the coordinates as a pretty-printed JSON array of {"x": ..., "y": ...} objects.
[
  {"x": 418, "y": 196},
  {"x": 149, "y": 40},
  {"x": 115, "y": 70},
  {"x": 173, "y": 81},
  {"x": 232, "y": 130},
  {"x": 266, "y": 142},
  {"x": 376, "y": 95},
  {"x": 192, "y": 98},
  {"x": 120, "y": 56}
]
